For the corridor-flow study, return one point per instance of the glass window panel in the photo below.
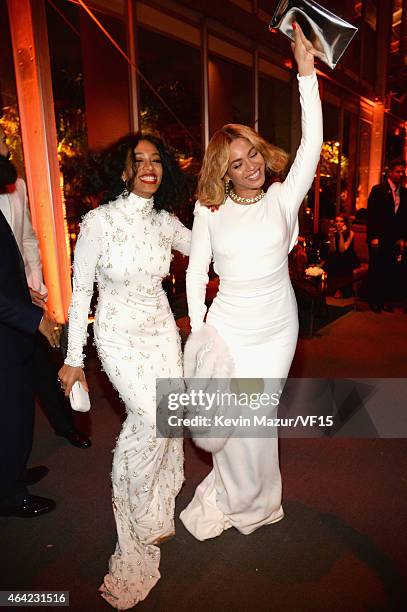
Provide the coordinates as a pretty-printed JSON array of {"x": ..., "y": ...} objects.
[
  {"x": 174, "y": 70},
  {"x": 105, "y": 79},
  {"x": 266, "y": 5},
  {"x": 352, "y": 12},
  {"x": 370, "y": 13},
  {"x": 275, "y": 111},
  {"x": 369, "y": 41},
  {"x": 69, "y": 104},
  {"x": 397, "y": 20},
  {"x": 369, "y": 54},
  {"x": 9, "y": 116},
  {"x": 346, "y": 9},
  {"x": 162, "y": 61},
  {"x": 395, "y": 139},
  {"x": 91, "y": 95},
  {"x": 351, "y": 57},
  {"x": 329, "y": 161},
  {"x": 348, "y": 162},
  {"x": 230, "y": 94}
]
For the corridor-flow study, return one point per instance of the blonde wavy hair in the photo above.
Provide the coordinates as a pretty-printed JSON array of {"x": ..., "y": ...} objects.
[{"x": 211, "y": 185}]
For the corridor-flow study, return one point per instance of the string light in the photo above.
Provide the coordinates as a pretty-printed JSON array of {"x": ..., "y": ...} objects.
[{"x": 66, "y": 230}]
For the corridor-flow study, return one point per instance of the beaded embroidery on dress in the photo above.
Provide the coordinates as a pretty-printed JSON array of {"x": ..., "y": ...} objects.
[{"x": 126, "y": 247}]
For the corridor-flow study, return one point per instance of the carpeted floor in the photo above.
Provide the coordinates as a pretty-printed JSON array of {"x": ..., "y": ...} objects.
[
  {"x": 357, "y": 344},
  {"x": 341, "y": 546}
]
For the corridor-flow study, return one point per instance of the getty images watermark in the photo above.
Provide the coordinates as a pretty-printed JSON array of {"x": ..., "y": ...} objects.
[
  {"x": 207, "y": 409},
  {"x": 257, "y": 408}
]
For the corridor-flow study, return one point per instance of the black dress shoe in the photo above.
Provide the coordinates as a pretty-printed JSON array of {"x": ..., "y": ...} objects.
[
  {"x": 76, "y": 438},
  {"x": 31, "y": 506},
  {"x": 35, "y": 474},
  {"x": 387, "y": 308},
  {"x": 375, "y": 308}
]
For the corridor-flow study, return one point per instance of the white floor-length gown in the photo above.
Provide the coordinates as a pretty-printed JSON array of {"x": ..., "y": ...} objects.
[
  {"x": 126, "y": 247},
  {"x": 255, "y": 312}
]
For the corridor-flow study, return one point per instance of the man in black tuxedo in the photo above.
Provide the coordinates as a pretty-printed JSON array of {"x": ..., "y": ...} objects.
[
  {"x": 14, "y": 206},
  {"x": 386, "y": 234},
  {"x": 19, "y": 320}
]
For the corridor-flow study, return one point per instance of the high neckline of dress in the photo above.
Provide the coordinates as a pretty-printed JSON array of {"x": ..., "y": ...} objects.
[{"x": 137, "y": 203}]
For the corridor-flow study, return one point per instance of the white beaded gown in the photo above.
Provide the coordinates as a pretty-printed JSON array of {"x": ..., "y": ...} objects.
[
  {"x": 255, "y": 312},
  {"x": 125, "y": 246}
]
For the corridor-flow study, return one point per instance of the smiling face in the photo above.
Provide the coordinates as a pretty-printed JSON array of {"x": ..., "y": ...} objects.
[
  {"x": 149, "y": 170},
  {"x": 246, "y": 168}
]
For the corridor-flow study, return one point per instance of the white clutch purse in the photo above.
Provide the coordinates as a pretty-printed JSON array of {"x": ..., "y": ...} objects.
[{"x": 79, "y": 398}]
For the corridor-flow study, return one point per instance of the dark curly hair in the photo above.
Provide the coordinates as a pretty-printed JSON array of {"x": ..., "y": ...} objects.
[{"x": 105, "y": 169}]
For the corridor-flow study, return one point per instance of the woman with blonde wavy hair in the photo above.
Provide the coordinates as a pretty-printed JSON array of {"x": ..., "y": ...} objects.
[
  {"x": 253, "y": 321},
  {"x": 214, "y": 180}
]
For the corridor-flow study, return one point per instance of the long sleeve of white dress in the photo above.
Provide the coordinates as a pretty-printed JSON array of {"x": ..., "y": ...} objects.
[
  {"x": 199, "y": 260},
  {"x": 293, "y": 190},
  {"x": 181, "y": 240},
  {"x": 87, "y": 253},
  {"x": 288, "y": 196},
  {"x": 299, "y": 179}
]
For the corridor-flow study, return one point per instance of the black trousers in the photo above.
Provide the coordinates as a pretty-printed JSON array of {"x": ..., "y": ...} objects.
[
  {"x": 381, "y": 276},
  {"x": 16, "y": 430},
  {"x": 47, "y": 389}
]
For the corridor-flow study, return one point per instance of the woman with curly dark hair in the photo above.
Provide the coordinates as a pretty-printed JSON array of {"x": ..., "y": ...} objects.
[{"x": 125, "y": 245}]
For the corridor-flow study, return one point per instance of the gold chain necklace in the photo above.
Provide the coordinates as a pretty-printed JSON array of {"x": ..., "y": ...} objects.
[{"x": 241, "y": 200}]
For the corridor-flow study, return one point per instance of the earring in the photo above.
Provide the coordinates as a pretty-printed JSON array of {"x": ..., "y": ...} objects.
[
  {"x": 123, "y": 184},
  {"x": 227, "y": 190}
]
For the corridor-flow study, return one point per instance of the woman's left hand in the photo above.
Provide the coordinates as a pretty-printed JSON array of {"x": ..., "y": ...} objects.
[
  {"x": 68, "y": 375},
  {"x": 303, "y": 51}
]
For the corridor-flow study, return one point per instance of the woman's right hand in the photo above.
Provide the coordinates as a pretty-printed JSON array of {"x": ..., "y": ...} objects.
[
  {"x": 303, "y": 51},
  {"x": 68, "y": 375}
]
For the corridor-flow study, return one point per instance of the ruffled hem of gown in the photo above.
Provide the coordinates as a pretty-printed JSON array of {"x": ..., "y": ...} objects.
[
  {"x": 204, "y": 519},
  {"x": 130, "y": 580}
]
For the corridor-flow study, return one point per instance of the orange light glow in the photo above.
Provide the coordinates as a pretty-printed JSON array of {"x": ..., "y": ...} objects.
[
  {"x": 36, "y": 107},
  {"x": 67, "y": 236},
  {"x": 376, "y": 145}
]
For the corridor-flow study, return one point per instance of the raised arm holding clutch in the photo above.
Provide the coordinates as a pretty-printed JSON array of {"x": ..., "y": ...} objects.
[{"x": 329, "y": 34}]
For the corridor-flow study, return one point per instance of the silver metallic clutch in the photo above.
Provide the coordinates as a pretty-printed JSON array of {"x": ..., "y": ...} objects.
[{"x": 329, "y": 34}]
